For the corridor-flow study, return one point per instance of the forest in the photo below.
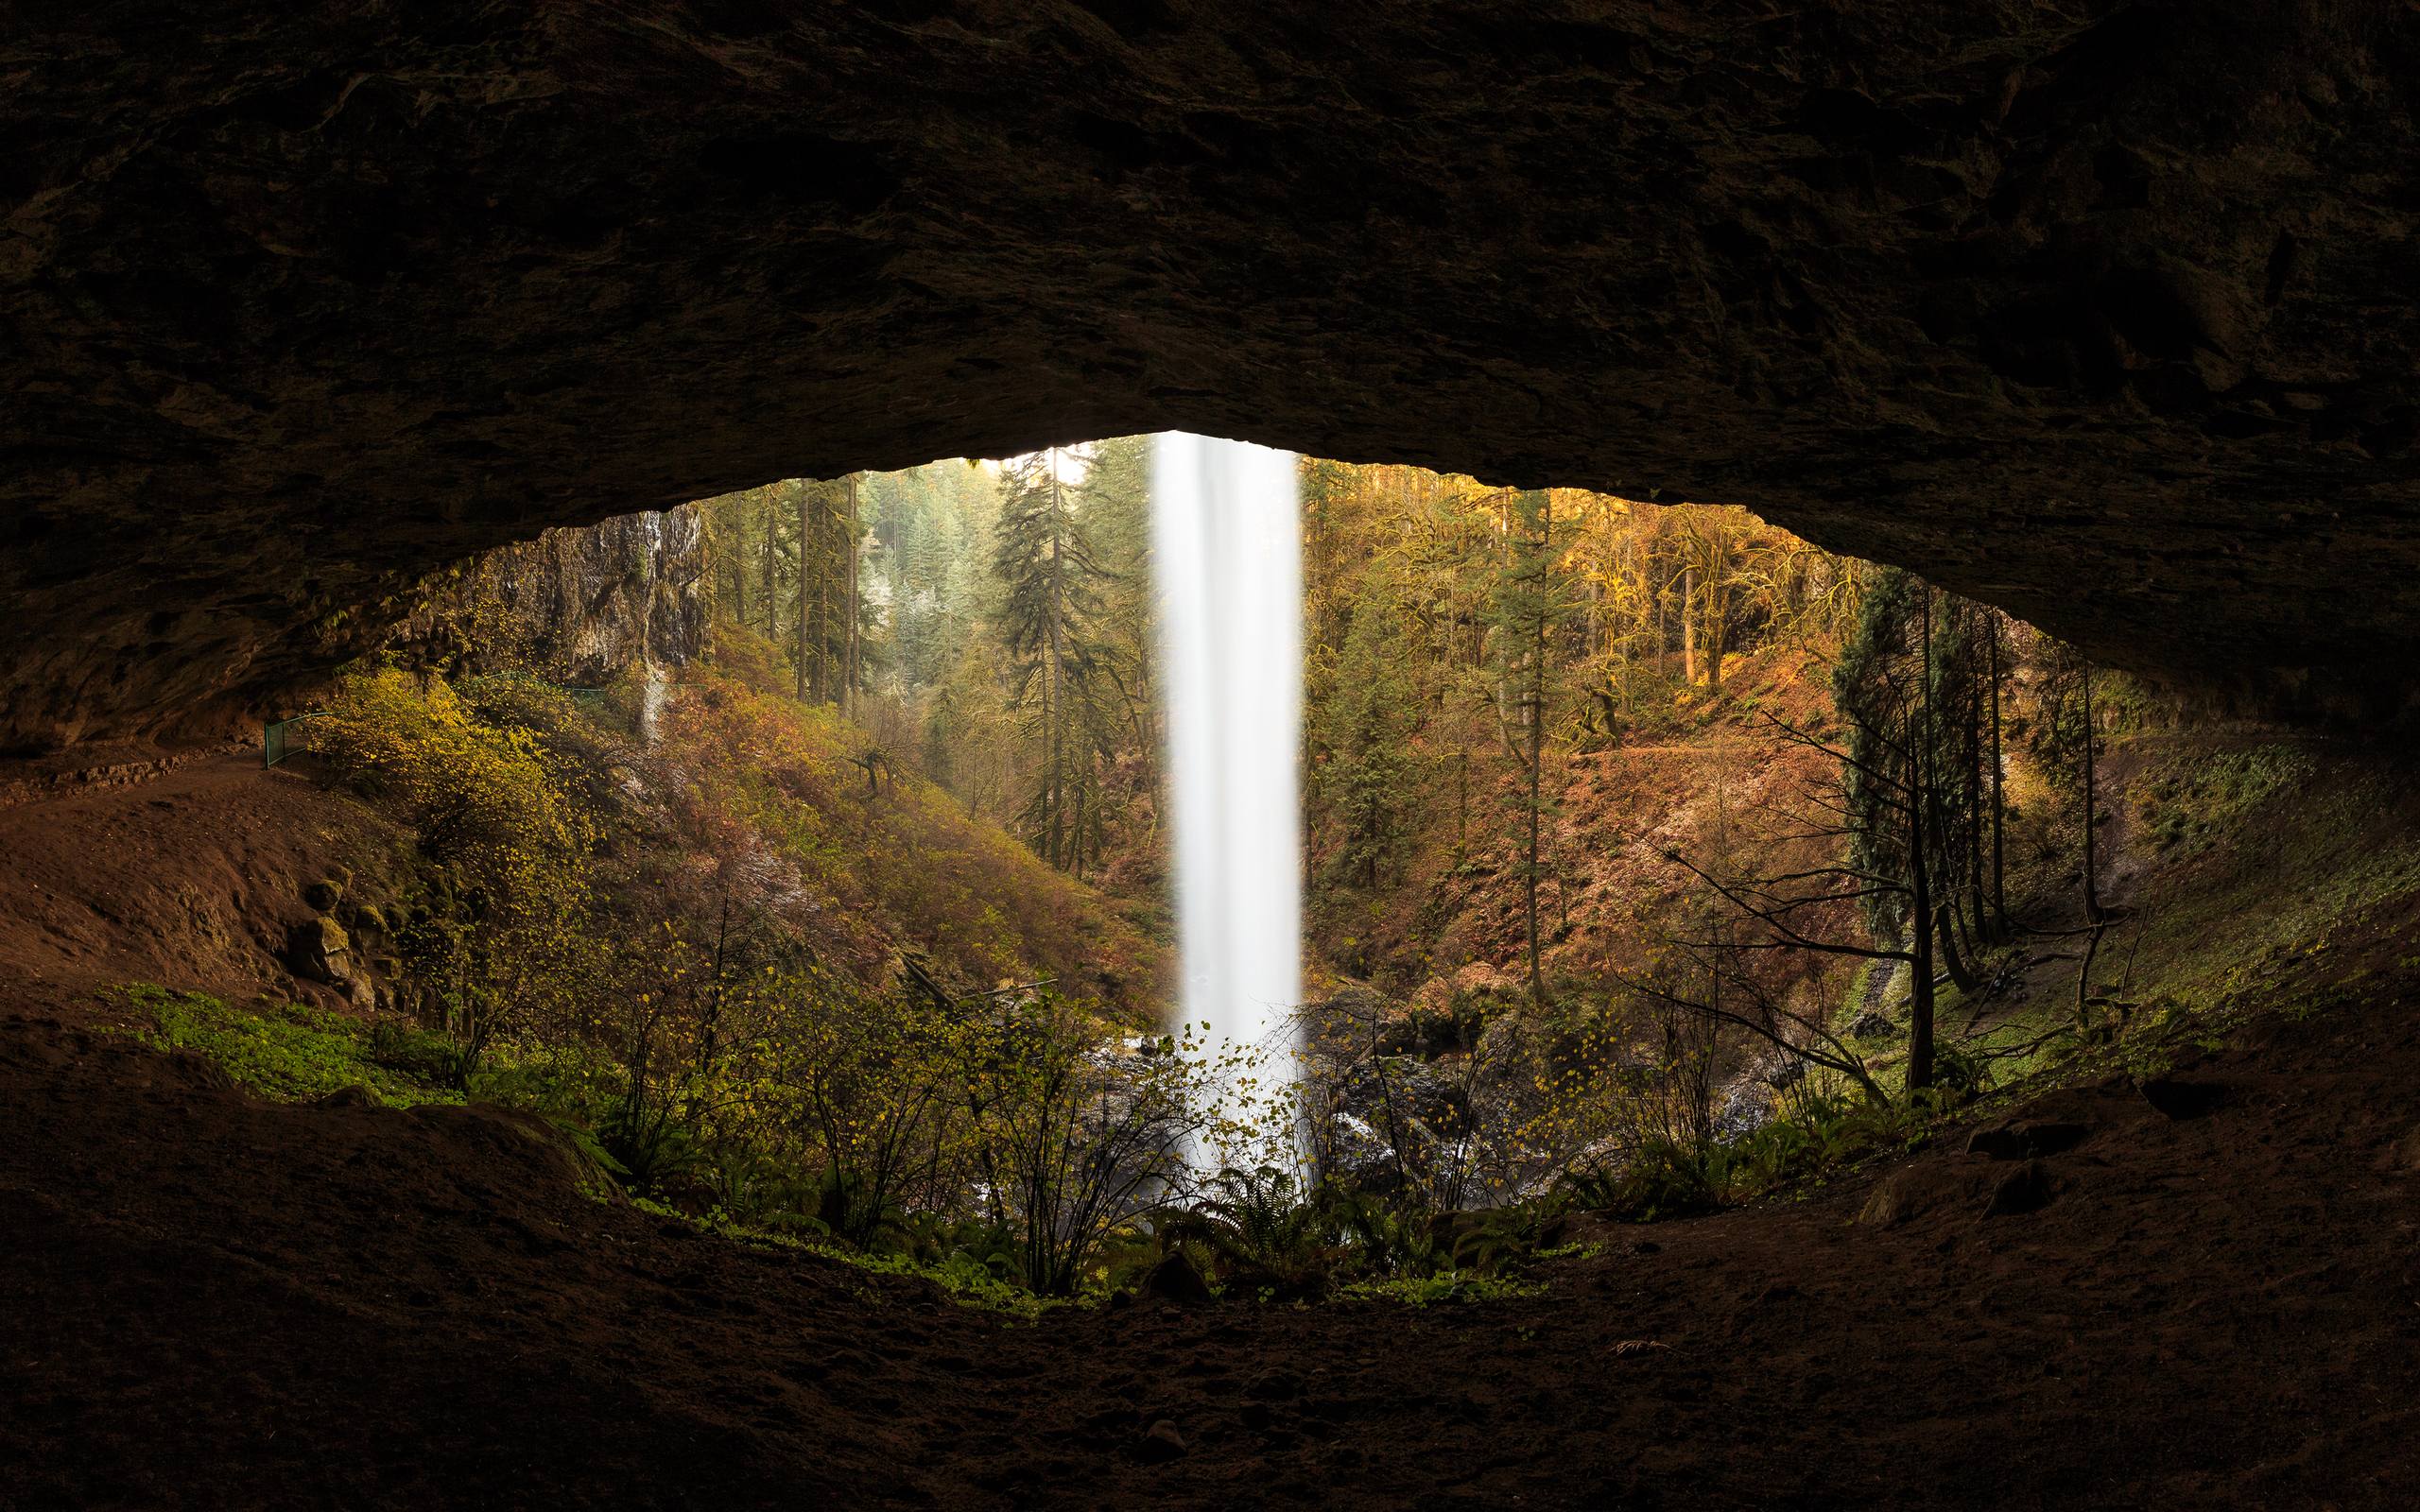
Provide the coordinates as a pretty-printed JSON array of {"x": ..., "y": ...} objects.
[{"x": 1654, "y": 860}]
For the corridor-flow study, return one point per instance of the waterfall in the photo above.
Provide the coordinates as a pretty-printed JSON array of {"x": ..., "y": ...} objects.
[
  {"x": 1227, "y": 547},
  {"x": 651, "y": 699}
]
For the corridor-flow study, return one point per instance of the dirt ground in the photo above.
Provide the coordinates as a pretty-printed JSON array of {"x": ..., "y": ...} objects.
[
  {"x": 192, "y": 878},
  {"x": 2206, "y": 1295}
]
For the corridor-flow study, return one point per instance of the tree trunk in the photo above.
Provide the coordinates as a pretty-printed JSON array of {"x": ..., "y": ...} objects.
[
  {"x": 2091, "y": 863},
  {"x": 1920, "y": 802},
  {"x": 1953, "y": 960},
  {"x": 1462, "y": 802},
  {"x": 1920, "y": 967},
  {"x": 1976, "y": 906},
  {"x": 1714, "y": 625},
  {"x": 1053, "y": 697},
  {"x": 1689, "y": 625},
  {"x": 1535, "y": 715},
  {"x": 850, "y": 528},
  {"x": 1999, "y": 807},
  {"x": 810, "y": 662},
  {"x": 772, "y": 604},
  {"x": 1663, "y": 638},
  {"x": 738, "y": 555}
]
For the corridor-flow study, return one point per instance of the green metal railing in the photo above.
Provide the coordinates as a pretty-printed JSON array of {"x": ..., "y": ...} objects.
[{"x": 273, "y": 737}]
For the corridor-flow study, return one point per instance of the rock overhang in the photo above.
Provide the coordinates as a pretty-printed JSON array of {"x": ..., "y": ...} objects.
[{"x": 2100, "y": 312}]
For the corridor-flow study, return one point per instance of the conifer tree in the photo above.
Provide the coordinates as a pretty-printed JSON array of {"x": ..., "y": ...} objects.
[
  {"x": 1529, "y": 605},
  {"x": 1115, "y": 504},
  {"x": 1366, "y": 724},
  {"x": 1050, "y": 622}
]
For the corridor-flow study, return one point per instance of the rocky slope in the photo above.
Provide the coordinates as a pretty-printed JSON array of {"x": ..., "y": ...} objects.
[{"x": 2098, "y": 311}]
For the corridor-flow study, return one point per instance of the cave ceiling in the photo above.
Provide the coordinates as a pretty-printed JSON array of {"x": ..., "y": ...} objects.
[{"x": 2101, "y": 312}]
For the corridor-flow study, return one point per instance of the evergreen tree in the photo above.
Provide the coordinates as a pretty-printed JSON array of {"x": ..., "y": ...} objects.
[
  {"x": 1116, "y": 509},
  {"x": 1050, "y": 622},
  {"x": 1907, "y": 771},
  {"x": 830, "y": 599},
  {"x": 1529, "y": 605},
  {"x": 1366, "y": 724}
]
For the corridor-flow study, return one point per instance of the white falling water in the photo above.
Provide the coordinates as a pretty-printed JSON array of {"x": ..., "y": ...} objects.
[
  {"x": 651, "y": 699},
  {"x": 1227, "y": 548}
]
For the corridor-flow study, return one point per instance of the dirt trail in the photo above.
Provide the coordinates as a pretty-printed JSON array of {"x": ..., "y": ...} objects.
[
  {"x": 206, "y": 1302},
  {"x": 192, "y": 877}
]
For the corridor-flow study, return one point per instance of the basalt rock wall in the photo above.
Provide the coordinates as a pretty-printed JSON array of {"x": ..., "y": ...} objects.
[
  {"x": 2101, "y": 310},
  {"x": 581, "y": 604}
]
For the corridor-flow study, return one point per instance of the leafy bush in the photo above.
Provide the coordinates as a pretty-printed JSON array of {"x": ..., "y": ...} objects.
[
  {"x": 570, "y": 1082},
  {"x": 506, "y": 938},
  {"x": 418, "y": 1053}
]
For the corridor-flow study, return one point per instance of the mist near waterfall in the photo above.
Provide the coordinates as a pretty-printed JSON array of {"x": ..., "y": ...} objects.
[{"x": 1227, "y": 552}]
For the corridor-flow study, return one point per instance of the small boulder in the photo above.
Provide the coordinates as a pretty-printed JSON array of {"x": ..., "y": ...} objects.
[
  {"x": 1872, "y": 1025},
  {"x": 188, "y": 1068},
  {"x": 1161, "y": 1443},
  {"x": 1273, "y": 1385},
  {"x": 323, "y": 894},
  {"x": 2027, "y": 1138},
  {"x": 320, "y": 950},
  {"x": 2003, "y": 1143},
  {"x": 369, "y": 925},
  {"x": 1892, "y": 1204},
  {"x": 2404, "y": 1155},
  {"x": 2053, "y": 1136},
  {"x": 1176, "y": 1280},
  {"x": 1924, "y": 1188},
  {"x": 349, "y": 1097},
  {"x": 2026, "y": 1189}
]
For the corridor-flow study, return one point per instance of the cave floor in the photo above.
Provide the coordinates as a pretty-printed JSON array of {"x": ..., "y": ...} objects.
[{"x": 210, "y": 1301}]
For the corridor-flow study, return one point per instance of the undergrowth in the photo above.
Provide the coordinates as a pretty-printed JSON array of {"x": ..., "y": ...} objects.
[
  {"x": 291, "y": 1053},
  {"x": 878, "y": 1135}
]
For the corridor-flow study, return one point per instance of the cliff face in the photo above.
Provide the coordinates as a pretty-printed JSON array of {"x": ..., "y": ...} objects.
[
  {"x": 2100, "y": 310},
  {"x": 585, "y": 604}
]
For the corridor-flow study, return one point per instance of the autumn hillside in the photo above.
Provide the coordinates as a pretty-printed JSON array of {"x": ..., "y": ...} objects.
[
  {"x": 1704, "y": 771},
  {"x": 883, "y": 863}
]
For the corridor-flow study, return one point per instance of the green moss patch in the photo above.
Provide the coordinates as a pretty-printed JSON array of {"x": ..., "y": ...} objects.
[{"x": 289, "y": 1053}]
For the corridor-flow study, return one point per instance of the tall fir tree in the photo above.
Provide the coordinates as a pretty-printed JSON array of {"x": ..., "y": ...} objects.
[
  {"x": 1527, "y": 613},
  {"x": 1050, "y": 622},
  {"x": 1365, "y": 727}
]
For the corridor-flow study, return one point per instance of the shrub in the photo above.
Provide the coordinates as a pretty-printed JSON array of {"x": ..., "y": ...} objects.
[{"x": 505, "y": 938}]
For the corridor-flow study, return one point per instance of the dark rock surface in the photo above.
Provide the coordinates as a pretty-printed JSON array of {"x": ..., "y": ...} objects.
[
  {"x": 2100, "y": 310},
  {"x": 2027, "y": 1138},
  {"x": 321, "y": 951},
  {"x": 584, "y": 604}
]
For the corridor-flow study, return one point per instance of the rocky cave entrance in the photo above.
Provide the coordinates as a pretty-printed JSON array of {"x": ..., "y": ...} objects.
[{"x": 2096, "y": 317}]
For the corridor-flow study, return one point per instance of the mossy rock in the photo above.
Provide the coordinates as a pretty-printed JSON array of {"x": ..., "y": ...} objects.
[
  {"x": 320, "y": 950},
  {"x": 323, "y": 894}
]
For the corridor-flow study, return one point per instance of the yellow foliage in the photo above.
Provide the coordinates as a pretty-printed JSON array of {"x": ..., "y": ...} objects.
[{"x": 504, "y": 931}]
